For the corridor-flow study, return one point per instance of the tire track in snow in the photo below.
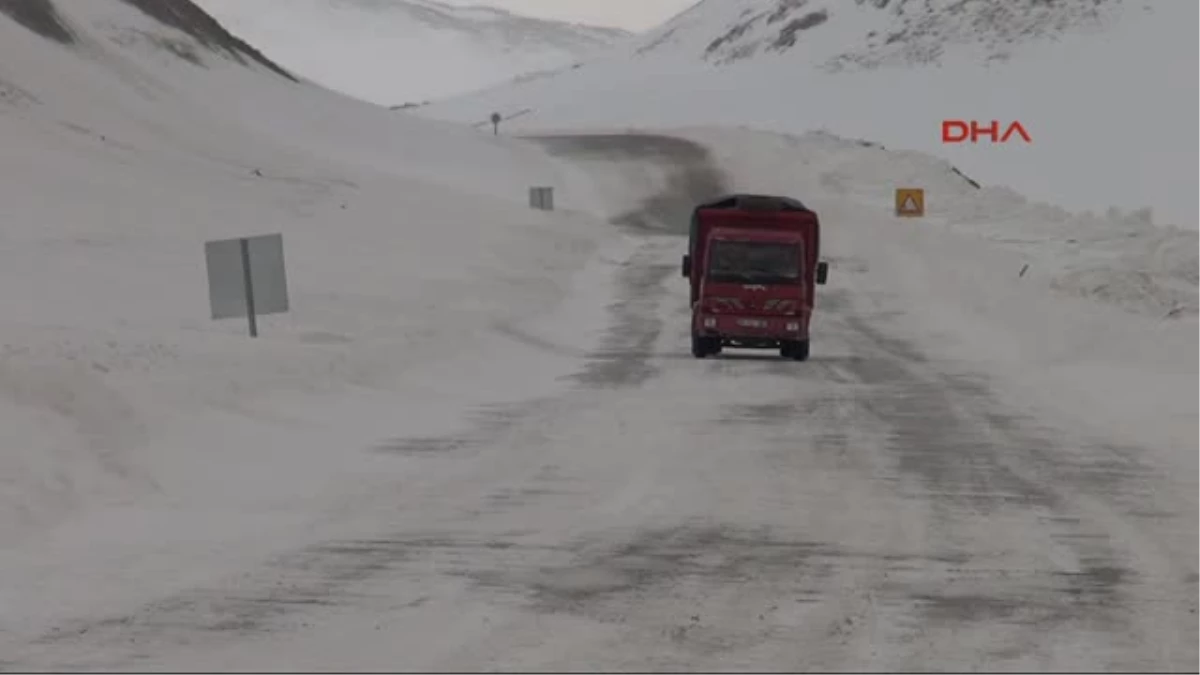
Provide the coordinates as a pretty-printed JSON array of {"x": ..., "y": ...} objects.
[
  {"x": 688, "y": 177},
  {"x": 1022, "y": 554},
  {"x": 952, "y": 450}
]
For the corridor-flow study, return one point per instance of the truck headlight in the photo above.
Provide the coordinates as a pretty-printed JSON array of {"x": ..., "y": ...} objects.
[
  {"x": 710, "y": 322},
  {"x": 793, "y": 326}
]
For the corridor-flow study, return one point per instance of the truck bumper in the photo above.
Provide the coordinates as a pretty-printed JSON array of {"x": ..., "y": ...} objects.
[{"x": 751, "y": 331}]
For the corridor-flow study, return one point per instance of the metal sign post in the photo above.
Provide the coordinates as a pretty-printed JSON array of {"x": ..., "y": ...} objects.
[{"x": 248, "y": 280}]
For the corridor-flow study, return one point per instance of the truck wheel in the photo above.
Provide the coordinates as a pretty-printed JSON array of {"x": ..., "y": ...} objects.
[
  {"x": 797, "y": 351},
  {"x": 702, "y": 346}
]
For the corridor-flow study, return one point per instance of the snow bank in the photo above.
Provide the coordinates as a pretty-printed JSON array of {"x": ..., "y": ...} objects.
[
  {"x": 1117, "y": 259},
  {"x": 407, "y": 242}
]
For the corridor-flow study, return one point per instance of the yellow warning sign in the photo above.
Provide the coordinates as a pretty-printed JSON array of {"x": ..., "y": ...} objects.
[{"x": 910, "y": 202}]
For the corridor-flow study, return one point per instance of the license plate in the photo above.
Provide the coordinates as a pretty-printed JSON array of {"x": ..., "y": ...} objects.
[{"x": 752, "y": 323}]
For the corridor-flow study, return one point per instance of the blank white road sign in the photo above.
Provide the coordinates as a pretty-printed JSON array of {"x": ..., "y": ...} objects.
[{"x": 227, "y": 276}]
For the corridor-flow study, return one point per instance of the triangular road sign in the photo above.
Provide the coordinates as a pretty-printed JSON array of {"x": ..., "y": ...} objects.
[{"x": 910, "y": 202}]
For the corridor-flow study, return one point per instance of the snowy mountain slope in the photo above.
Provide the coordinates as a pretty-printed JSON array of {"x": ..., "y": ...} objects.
[
  {"x": 1085, "y": 78},
  {"x": 131, "y": 144},
  {"x": 43, "y": 18},
  {"x": 868, "y": 34},
  {"x": 406, "y": 51}
]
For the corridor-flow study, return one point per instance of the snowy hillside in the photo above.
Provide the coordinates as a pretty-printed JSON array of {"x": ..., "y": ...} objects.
[
  {"x": 129, "y": 144},
  {"x": 393, "y": 52},
  {"x": 1088, "y": 80},
  {"x": 866, "y": 34}
]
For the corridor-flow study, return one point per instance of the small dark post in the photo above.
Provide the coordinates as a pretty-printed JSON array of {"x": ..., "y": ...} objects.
[
  {"x": 250, "y": 313},
  {"x": 496, "y": 124}
]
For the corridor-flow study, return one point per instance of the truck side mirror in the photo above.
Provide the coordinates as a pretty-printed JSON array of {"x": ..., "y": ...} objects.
[
  {"x": 687, "y": 265},
  {"x": 822, "y": 272}
]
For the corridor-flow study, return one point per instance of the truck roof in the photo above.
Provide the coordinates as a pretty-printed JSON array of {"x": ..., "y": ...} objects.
[{"x": 754, "y": 202}]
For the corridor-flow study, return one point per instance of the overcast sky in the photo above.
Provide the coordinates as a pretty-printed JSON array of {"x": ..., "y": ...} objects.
[{"x": 635, "y": 15}]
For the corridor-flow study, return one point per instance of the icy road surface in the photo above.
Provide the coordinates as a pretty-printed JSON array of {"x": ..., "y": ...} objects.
[{"x": 879, "y": 507}]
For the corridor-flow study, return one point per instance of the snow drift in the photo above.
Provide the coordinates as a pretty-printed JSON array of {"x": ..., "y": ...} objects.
[
  {"x": 145, "y": 130},
  {"x": 404, "y": 52}
]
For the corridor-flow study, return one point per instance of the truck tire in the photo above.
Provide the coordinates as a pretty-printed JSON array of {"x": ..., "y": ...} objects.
[
  {"x": 797, "y": 350},
  {"x": 703, "y": 347}
]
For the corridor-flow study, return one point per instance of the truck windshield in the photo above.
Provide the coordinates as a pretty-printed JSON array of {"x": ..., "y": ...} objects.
[{"x": 754, "y": 262}]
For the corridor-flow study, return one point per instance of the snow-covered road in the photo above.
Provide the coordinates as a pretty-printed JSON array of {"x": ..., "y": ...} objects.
[{"x": 899, "y": 502}]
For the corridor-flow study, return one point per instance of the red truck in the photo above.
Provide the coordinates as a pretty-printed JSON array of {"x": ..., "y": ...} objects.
[{"x": 753, "y": 265}]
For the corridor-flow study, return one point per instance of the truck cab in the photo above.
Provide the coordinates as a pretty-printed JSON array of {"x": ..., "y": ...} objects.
[{"x": 753, "y": 265}]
